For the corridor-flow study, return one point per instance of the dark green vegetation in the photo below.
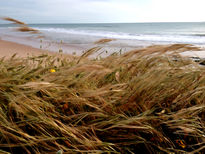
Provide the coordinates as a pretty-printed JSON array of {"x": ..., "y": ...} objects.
[{"x": 145, "y": 100}]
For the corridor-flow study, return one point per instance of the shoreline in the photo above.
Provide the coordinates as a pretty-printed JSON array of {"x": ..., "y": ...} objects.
[
  {"x": 11, "y": 47},
  {"x": 52, "y": 47}
]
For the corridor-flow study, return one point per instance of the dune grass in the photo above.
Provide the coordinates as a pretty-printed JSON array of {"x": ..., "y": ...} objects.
[{"x": 149, "y": 100}]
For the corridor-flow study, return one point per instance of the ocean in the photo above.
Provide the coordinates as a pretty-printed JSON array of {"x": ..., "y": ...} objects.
[{"x": 126, "y": 34}]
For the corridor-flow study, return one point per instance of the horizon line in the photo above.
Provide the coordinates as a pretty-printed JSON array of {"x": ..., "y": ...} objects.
[{"x": 115, "y": 22}]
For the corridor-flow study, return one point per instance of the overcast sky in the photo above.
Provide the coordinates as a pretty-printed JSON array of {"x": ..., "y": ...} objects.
[{"x": 108, "y": 11}]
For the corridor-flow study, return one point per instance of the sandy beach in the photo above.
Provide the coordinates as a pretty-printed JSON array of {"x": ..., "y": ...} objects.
[{"x": 8, "y": 49}]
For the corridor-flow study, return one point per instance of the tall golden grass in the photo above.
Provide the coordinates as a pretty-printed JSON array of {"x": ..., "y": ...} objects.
[{"x": 147, "y": 101}]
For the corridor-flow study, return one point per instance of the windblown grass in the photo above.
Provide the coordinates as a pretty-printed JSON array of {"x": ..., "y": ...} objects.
[
  {"x": 142, "y": 101},
  {"x": 27, "y": 29},
  {"x": 13, "y": 20},
  {"x": 23, "y": 27}
]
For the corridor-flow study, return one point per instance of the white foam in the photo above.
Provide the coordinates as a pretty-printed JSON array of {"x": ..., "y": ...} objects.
[{"x": 126, "y": 36}]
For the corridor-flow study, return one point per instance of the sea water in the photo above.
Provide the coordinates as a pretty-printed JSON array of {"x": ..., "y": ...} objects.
[{"x": 125, "y": 34}]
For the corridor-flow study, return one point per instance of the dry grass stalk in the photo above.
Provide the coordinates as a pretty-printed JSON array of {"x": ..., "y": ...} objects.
[
  {"x": 23, "y": 27},
  {"x": 14, "y": 21},
  {"x": 88, "y": 53},
  {"x": 102, "y": 41},
  {"x": 27, "y": 29}
]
